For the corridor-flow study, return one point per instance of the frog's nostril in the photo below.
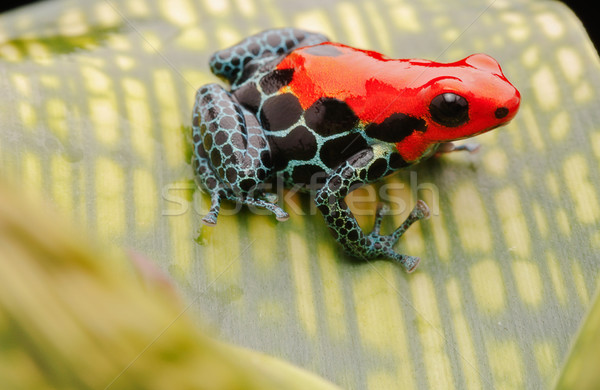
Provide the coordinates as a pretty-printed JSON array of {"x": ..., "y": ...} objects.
[{"x": 501, "y": 112}]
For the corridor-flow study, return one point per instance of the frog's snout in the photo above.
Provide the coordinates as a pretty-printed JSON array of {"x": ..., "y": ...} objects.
[
  {"x": 501, "y": 112},
  {"x": 505, "y": 112}
]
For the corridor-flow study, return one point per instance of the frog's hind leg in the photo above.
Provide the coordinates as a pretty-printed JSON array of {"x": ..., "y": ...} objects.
[
  {"x": 364, "y": 167},
  {"x": 207, "y": 179},
  {"x": 232, "y": 151},
  {"x": 229, "y": 63}
]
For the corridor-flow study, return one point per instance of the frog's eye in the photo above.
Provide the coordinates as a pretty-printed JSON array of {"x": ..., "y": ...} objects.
[{"x": 449, "y": 109}]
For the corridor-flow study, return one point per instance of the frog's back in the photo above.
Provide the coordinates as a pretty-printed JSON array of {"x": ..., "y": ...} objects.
[
  {"x": 310, "y": 128},
  {"x": 302, "y": 140}
]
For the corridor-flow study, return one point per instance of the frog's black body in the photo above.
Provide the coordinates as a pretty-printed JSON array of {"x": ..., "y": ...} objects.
[{"x": 259, "y": 129}]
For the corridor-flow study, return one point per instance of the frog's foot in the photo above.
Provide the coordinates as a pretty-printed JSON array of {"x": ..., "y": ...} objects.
[
  {"x": 382, "y": 209},
  {"x": 249, "y": 200},
  {"x": 449, "y": 147},
  {"x": 382, "y": 246},
  {"x": 280, "y": 214},
  {"x": 210, "y": 219}
]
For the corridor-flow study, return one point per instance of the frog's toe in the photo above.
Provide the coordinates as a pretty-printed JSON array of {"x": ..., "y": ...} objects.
[
  {"x": 209, "y": 219},
  {"x": 409, "y": 263},
  {"x": 448, "y": 147},
  {"x": 471, "y": 147},
  {"x": 421, "y": 210},
  {"x": 282, "y": 217},
  {"x": 280, "y": 214},
  {"x": 382, "y": 209},
  {"x": 270, "y": 197},
  {"x": 382, "y": 247}
]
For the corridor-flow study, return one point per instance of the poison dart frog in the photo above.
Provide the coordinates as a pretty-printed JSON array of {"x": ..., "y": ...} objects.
[{"x": 330, "y": 117}]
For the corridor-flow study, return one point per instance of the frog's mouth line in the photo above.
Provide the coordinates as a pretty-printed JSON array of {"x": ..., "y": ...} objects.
[
  {"x": 489, "y": 129},
  {"x": 484, "y": 131},
  {"x": 481, "y": 132},
  {"x": 493, "y": 127}
]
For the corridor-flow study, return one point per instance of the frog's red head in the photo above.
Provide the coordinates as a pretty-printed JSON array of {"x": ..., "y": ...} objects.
[{"x": 466, "y": 98}]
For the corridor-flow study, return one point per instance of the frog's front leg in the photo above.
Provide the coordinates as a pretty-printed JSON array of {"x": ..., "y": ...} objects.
[
  {"x": 362, "y": 168},
  {"x": 449, "y": 147},
  {"x": 231, "y": 154}
]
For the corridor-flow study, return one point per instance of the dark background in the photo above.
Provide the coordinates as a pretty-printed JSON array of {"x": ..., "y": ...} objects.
[{"x": 587, "y": 11}]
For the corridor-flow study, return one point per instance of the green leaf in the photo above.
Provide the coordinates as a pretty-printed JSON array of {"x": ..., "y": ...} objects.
[
  {"x": 581, "y": 368},
  {"x": 509, "y": 257},
  {"x": 74, "y": 315}
]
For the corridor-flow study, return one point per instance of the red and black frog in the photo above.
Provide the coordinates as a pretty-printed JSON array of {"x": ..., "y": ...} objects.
[{"x": 329, "y": 117}]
